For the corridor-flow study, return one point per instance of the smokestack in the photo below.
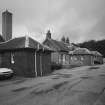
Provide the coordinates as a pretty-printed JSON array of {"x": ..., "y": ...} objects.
[{"x": 7, "y": 25}]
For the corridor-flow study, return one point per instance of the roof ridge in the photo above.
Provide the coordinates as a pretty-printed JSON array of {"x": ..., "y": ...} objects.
[
  {"x": 59, "y": 45},
  {"x": 11, "y": 39},
  {"x": 55, "y": 44},
  {"x": 7, "y": 41}
]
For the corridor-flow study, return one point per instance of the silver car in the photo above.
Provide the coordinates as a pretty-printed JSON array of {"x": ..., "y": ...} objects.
[{"x": 5, "y": 73}]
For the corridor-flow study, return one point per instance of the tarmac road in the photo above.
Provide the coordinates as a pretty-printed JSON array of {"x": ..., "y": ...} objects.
[{"x": 77, "y": 86}]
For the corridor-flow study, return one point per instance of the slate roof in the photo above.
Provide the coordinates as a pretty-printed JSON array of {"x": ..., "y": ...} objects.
[
  {"x": 22, "y": 42},
  {"x": 72, "y": 46},
  {"x": 80, "y": 51},
  {"x": 96, "y": 53},
  {"x": 57, "y": 45}
]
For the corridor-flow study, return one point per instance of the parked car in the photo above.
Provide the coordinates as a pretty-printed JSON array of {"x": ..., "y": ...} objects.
[{"x": 5, "y": 73}]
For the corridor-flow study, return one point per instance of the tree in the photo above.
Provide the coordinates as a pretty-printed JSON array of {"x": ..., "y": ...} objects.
[
  {"x": 67, "y": 40},
  {"x": 95, "y": 46},
  {"x": 63, "y": 39}
]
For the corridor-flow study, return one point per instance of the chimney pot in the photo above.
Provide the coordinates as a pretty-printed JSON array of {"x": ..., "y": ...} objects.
[{"x": 48, "y": 35}]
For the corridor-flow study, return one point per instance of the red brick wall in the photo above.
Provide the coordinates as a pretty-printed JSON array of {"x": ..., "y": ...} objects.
[
  {"x": 55, "y": 57},
  {"x": 43, "y": 63},
  {"x": 46, "y": 63},
  {"x": 5, "y": 59},
  {"x": 86, "y": 59},
  {"x": 24, "y": 62},
  {"x": 60, "y": 57}
]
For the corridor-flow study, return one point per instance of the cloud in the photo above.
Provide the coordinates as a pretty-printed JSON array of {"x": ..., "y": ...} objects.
[{"x": 79, "y": 19}]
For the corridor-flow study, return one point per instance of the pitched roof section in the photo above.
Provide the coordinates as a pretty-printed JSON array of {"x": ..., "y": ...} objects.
[
  {"x": 22, "y": 42},
  {"x": 96, "y": 53},
  {"x": 72, "y": 46},
  {"x": 80, "y": 51},
  {"x": 56, "y": 45}
]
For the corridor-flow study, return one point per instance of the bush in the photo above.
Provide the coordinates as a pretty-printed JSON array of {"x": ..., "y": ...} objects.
[{"x": 55, "y": 66}]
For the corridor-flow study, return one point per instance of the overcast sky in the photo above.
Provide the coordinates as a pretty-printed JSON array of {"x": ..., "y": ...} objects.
[{"x": 80, "y": 20}]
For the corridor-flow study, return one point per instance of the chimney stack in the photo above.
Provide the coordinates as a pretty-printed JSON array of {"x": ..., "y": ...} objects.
[
  {"x": 7, "y": 25},
  {"x": 48, "y": 35}
]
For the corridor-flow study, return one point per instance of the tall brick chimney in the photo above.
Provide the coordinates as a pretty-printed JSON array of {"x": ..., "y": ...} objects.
[{"x": 7, "y": 25}]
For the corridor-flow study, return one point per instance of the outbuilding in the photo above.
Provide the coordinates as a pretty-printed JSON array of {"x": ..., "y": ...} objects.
[
  {"x": 61, "y": 49},
  {"x": 26, "y": 57},
  {"x": 98, "y": 57},
  {"x": 81, "y": 56}
]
